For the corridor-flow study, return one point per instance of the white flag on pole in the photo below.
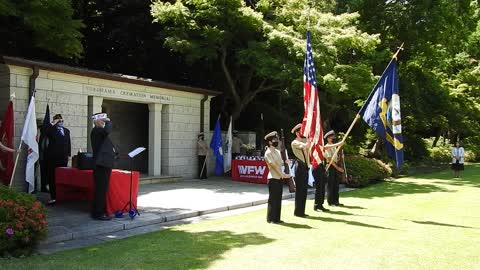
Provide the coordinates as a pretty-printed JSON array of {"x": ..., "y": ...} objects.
[
  {"x": 227, "y": 155},
  {"x": 29, "y": 137}
]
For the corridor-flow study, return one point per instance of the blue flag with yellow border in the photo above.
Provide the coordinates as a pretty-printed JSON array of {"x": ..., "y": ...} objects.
[{"x": 381, "y": 111}]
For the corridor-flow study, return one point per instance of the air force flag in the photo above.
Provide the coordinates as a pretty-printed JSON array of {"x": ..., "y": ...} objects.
[{"x": 381, "y": 111}]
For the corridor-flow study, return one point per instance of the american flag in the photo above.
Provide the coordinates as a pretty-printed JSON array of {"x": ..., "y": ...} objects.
[{"x": 312, "y": 120}]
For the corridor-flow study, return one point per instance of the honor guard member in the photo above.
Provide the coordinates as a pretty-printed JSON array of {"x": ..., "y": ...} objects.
[
  {"x": 334, "y": 170},
  {"x": 103, "y": 158},
  {"x": 274, "y": 162},
  {"x": 321, "y": 179},
  {"x": 301, "y": 150},
  {"x": 202, "y": 152}
]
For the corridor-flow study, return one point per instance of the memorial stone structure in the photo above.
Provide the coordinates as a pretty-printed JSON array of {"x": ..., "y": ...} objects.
[{"x": 165, "y": 118}]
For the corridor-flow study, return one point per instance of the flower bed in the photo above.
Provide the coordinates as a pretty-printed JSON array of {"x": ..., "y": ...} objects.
[{"x": 23, "y": 222}]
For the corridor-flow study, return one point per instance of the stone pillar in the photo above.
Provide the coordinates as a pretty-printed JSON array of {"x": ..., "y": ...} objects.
[
  {"x": 154, "y": 139},
  {"x": 94, "y": 106}
]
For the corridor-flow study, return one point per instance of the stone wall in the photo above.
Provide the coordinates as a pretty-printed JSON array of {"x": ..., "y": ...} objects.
[{"x": 68, "y": 95}]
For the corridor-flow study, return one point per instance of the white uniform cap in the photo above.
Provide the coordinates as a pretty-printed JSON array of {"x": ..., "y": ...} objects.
[
  {"x": 298, "y": 126},
  {"x": 328, "y": 134},
  {"x": 271, "y": 134},
  {"x": 99, "y": 116}
]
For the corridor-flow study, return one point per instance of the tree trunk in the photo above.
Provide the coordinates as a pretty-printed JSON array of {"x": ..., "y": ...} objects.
[{"x": 437, "y": 137}]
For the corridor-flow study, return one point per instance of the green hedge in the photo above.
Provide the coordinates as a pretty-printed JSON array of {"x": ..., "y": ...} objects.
[
  {"x": 364, "y": 171},
  {"x": 444, "y": 154},
  {"x": 23, "y": 222}
]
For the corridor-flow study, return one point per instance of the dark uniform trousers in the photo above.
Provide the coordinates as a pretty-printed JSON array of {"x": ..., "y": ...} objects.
[
  {"x": 51, "y": 165},
  {"x": 320, "y": 185},
  {"x": 333, "y": 186},
  {"x": 275, "y": 189},
  {"x": 101, "y": 175},
  {"x": 201, "y": 162},
  {"x": 301, "y": 182}
]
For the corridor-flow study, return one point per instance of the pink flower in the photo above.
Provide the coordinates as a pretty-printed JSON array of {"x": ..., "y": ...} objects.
[{"x": 9, "y": 231}]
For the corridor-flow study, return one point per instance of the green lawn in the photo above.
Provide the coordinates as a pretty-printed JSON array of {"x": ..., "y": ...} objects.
[{"x": 429, "y": 221}]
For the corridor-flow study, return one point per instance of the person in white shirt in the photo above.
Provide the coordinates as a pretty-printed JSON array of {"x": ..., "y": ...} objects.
[
  {"x": 274, "y": 161},
  {"x": 458, "y": 154},
  {"x": 237, "y": 145},
  {"x": 202, "y": 152},
  {"x": 301, "y": 149}
]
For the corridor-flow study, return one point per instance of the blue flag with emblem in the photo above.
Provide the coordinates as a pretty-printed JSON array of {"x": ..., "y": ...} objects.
[
  {"x": 216, "y": 145},
  {"x": 381, "y": 111}
]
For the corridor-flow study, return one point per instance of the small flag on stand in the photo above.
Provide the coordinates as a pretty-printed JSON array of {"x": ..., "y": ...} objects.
[
  {"x": 227, "y": 157},
  {"x": 216, "y": 145},
  {"x": 29, "y": 137},
  {"x": 6, "y": 133}
]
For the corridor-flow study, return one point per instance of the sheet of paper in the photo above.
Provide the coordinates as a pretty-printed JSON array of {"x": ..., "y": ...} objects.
[{"x": 136, "y": 151}]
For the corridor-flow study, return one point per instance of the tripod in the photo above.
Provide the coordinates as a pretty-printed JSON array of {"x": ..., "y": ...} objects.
[{"x": 132, "y": 209}]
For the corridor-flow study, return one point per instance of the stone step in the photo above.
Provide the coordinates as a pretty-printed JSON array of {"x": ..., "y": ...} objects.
[
  {"x": 59, "y": 233},
  {"x": 159, "y": 179}
]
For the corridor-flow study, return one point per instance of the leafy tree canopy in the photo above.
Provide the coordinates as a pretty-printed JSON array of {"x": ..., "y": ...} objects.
[
  {"x": 259, "y": 46},
  {"x": 48, "y": 25}
]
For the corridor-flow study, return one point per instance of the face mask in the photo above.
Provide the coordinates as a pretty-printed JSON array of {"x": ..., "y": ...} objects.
[
  {"x": 60, "y": 124},
  {"x": 275, "y": 144}
]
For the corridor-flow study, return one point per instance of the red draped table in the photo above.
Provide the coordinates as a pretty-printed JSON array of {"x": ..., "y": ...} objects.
[
  {"x": 75, "y": 185},
  {"x": 253, "y": 171}
]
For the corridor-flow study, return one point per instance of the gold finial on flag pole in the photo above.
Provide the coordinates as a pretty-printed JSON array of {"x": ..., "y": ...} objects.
[{"x": 398, "y": 51}]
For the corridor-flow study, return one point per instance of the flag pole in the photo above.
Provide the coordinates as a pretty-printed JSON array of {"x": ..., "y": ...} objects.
[
  {"x": 343, "y": 141},
  {"x": 358, "y": 114},
  {"x": 15, "y": 164},
  {"x": 17, "y": 153}
]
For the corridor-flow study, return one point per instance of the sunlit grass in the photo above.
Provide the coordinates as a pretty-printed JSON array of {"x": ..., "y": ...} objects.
[{"x": 429, "y": 221}]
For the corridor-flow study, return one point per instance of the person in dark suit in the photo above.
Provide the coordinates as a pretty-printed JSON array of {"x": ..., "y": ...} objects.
[
  {"x": 58, "y": 151},
  {"x": 103, "y": 158}
]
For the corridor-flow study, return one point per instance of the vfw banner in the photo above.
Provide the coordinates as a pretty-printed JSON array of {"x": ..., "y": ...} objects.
[{"x": 254, "y": 171}]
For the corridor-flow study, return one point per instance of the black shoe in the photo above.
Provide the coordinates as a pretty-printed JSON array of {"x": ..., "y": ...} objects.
[
  {"x": 302, "y": 216},
  {"x": 51, "y": 202},
  {"x": 321, "y": 209},
  {"x": 103, "y": 217},
  {"x": 339, "y": 204},
  {"x": 278, "y": 222}
]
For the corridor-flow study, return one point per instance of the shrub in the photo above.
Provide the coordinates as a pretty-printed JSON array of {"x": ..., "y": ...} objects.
[
  {"x": 403, "y": 170},
  {"x": 22, "y": 222},
  {"x": 441, "y": 153},
  {"x": 365, "y": 171},
  {"x": 472, "y": 144},
  {"x": 470, "y": 156}
]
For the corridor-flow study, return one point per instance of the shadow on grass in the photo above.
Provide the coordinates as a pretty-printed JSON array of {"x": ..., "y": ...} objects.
[
  {"x": 349, "y": 222},
  {"x": 440, "y": 224},
  {"x": 469, "y": 177},
  {"x": 295, "y": 225},
  {"x": 341, "y": 213},
  {"x": 392, "y": 188},
  {"x": 352, "y": 206},
  {"x": 167, "y": 249}
]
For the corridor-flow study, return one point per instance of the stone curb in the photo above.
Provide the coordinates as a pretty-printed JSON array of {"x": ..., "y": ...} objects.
[{"x": 126, "y": 223}]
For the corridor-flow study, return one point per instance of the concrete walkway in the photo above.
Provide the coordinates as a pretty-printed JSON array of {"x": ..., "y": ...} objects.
[{"x": 160, "y": 205}]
